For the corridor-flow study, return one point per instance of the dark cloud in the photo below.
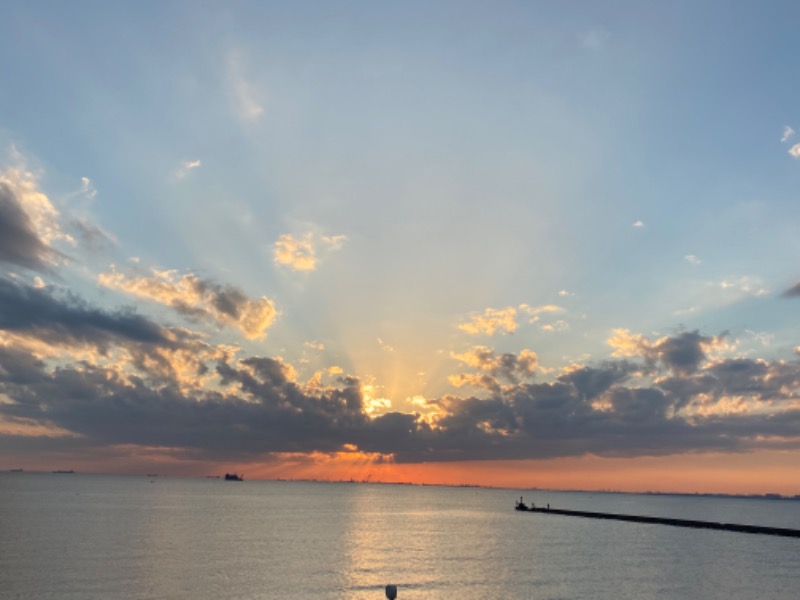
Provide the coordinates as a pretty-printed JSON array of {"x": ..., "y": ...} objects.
[
  {"x": 20, "y": 244},
  {"x": 37, "y": 312},
  {"x": 682, "y": 353},
  {"x": 256, "y": 408},
  {"x": 91, "y": 236},
  {"x": 590, "y": 382},
  {"x": 793, "y": 292}
]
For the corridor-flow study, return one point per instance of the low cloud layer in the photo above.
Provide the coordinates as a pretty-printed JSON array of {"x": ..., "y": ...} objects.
[{"x": 665, "y": 396}]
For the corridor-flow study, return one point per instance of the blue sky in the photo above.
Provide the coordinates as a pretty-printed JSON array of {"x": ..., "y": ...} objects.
[{"x": 400, "y": 185}]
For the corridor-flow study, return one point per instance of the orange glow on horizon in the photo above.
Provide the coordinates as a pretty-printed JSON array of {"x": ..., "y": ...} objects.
[{"x": 747, "y": 473}]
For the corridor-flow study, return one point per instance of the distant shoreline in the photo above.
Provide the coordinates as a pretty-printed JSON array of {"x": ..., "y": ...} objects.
[{"x": 763, "y": 496}]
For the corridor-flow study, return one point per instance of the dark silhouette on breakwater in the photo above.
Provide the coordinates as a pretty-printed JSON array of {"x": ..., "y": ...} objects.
[
  {"x": 780, "y": 531},
  {"x": 233, "y": 477}
]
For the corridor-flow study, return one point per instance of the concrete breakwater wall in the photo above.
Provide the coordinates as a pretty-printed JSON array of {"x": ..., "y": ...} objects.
[{"x": 780, "y": 531}]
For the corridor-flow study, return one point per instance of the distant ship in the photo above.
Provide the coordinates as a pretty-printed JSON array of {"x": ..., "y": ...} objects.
[
  {"x": 67, "y": 471},
  {"x": 233, "y": 477},
  {"x": 16, "y": 470}
]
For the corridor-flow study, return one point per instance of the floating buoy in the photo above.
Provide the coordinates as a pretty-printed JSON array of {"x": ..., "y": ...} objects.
[{"x": 391, "y": 592}]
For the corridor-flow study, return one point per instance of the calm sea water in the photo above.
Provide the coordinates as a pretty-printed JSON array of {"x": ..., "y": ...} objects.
[{"x": 101, "y": 537}]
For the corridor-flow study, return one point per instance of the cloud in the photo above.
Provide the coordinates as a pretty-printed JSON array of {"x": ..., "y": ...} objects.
[
  {"x": 596, "y": 39},
  {"x": 301, "y": 254},
  {"x": 492, "y": 319},
  {"x": 745, "y": 286},
  {"x": 787, "y": 133},
  {"x": 92, "y": 236},
  {"x": 384, "y": 346},
  {"x": 692, "y": 259},
  {"x": 682, "y": 353},
  {"x": 792, "y": 292},
  {"x": 87, "y": 188},
  {"x": 795, "y": 151},
  {"x": 186, "y": 167},
  {"x": 297, "y": 254},
  {"x": 28, "y": 223},
  {"x": 639, "y": 224},
  {"x": 252, "y": 407},
  {"x": 492, "y": 369},
  {"x": 36, "y": 311},
  {"x": 199, "y": 298},
  {"x": 247, "y": 99}
]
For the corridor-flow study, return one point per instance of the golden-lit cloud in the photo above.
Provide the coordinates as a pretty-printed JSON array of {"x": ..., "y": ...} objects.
[
  {"x": 196, "y": 297},
  {"x": 297, "y": 254},
  {"x": 29, "y": 223},
  {"x": 302, "y": 253},
  {"x": 493, "y": 369},
  {"x": 492, "y": 320}
]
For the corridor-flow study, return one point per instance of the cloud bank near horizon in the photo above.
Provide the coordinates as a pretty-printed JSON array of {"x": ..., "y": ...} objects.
[{"x": 76, "y": 376}]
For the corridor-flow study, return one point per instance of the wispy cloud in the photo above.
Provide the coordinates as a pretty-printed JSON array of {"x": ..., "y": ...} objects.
[
  {"x": 692, "y": 259},
  {"x": 385, "y": 346},
  {"x": 186, "y": 166},
  {"x": 638, "y": 224},
  {"x": 795, "y": 151},
  {"x": 247, "y": 99},
  {"x": 744, "y": 285},
  {"x": 787, "y": 133},
  {"x": 87, "y": 188},
  {"x": 595, "y": 39}
]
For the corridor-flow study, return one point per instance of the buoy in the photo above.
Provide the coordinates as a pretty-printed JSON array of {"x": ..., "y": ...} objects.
[{"x": 391, "y": 592}]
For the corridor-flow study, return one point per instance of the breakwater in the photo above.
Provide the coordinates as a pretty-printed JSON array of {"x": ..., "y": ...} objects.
[{"x": 780, "y": 531}]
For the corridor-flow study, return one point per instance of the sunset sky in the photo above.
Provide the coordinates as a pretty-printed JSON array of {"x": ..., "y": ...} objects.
[{"x": 550, "y": 244}]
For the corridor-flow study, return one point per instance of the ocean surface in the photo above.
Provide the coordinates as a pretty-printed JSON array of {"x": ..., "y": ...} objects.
[{"x": 104, "y": 537}]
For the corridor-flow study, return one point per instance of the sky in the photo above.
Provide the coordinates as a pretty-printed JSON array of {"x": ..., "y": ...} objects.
[{"x": 523, "y": 244}]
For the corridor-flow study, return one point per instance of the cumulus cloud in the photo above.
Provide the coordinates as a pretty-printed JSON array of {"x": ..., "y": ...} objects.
[
  {"x": 682, "y": 353},
  {"x": 199, "y": 298},
  {"x": 795, "y": 151},
  {"x": 638, "y": 224},
  {"x": 492, "y": 320},
  {"x": 301, "y": 254},
  {"x": 297, "y": 254},
  {"x": 492, "y": 369},
  {"x": 28, "y": 223},
  {"x": 692, "y": 259}
]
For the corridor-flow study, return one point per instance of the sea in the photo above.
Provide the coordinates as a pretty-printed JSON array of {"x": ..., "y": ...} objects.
[{"x": 86, "y": 537}]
